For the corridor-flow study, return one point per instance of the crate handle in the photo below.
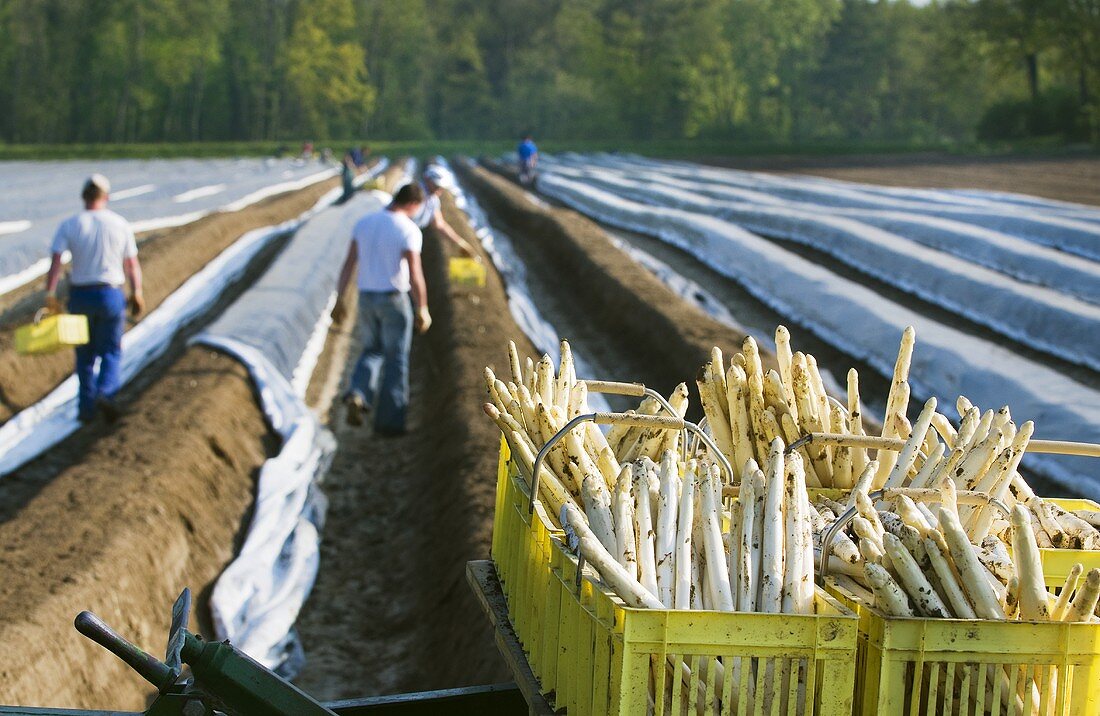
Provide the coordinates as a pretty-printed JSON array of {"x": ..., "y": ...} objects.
[
  {"x": 636, "y": 390},
  {"x": 1049, "y": 447},
  {"x": 923, "y": 494},
  {"x": 649, "y": 421}
]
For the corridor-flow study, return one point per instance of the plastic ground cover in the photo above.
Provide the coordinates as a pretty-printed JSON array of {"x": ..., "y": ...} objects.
[
  {"x": 151, "y": 194},
  {"x": 863, "y": 324},
  {"x": 277, "y": 329},
  {"x": 1050, "y": 228},
  {"x": 1012, "y": 256},
  {"x": 1042, "y": 317},
  {"x": 52, "y": 419}
]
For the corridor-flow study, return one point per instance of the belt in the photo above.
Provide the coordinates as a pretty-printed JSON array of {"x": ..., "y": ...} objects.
[
  {"x": 385, "y": 293},
  {"x": 96, "y": 285}
]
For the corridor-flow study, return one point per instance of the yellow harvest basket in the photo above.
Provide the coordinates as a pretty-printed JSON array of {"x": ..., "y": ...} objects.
[
  {"x": 466, "y": 272},
  {"x": 50, "y": 334},
  {"x": 596, "y": 656},
  {"x": 1057, "y": 562},
  {"x": 970, "y": 666}
]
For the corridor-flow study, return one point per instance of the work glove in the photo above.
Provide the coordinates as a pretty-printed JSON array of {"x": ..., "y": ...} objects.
[
  {"x": 137, "y": 305},
  {"x": 423, "y": 320},
  {"x": 53, "y": 305}
]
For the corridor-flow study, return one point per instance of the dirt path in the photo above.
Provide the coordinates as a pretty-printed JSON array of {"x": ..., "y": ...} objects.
[
  {"x": 391, "y": 611},
  {"x": 1067, "y": 178},
  {"x": 156, "y": 503},
  {"x": 168, "y": 259}
]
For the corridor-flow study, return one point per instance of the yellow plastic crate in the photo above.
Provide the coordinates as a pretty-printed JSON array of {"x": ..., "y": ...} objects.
[
  {"x": 596, "y": 656},
  {"x": 955, "y": 666},
  {"x": 466, "y": 272},
  {"x": 51, "y": 334}
]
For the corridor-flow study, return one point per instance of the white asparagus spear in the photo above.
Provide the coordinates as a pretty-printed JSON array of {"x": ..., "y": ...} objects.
[
  {"x": 855, "y": 421},
  {"x": 908, "y": 454},
  {"x": 683, "y": 561},
  {"x": 770, "y": 599},
  {"x": 665, "y": 545},
  {"x": 949, "y": 579},
  {"x": 611, "y": 572},
  {"x": 717, "y": 570},
  {"x": 1061, "y": 605},
  {"x": 863, "y": 483},
  {"x": 920, "y": 591},
  {"x": 912, "y": 516},
  {"x": 793, "y": 549},
  {"x": 607, "y": 464},
  {"x": 784, "y": 357},
  {"x": 805, "y": 601},
  {"x": 747, "y": 535},
  {"x": 1084, "y": 602},
  {"x": 544, "y": 380},
  {"x": 513, "y": 363},
  {"x": 643, "y": 526},
  {"x": 625, "y": 539},
  {"x": 717, "y": 416},
  {"x": 972, "y": 573},
  {"x": 740, "y": 426},
  {"x": 567, "y": 376},
  {"x": 889, "y": 597}
]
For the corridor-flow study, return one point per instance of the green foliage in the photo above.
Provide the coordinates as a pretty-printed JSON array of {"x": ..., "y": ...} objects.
[{"x": 743, "y": 71}]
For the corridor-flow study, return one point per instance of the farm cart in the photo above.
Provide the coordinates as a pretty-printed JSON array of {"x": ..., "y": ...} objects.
[{"x": 223, "y": 680}]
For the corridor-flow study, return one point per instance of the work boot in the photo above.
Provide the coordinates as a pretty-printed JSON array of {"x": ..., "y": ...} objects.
[
  {"x": 357, "y": 409},
  {"x": 110, "y": 409}
]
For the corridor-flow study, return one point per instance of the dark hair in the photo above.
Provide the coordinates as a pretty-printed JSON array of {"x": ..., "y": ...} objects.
[
  {"x": 409, "y": 194},
  {"x": 92, "y": 193}
]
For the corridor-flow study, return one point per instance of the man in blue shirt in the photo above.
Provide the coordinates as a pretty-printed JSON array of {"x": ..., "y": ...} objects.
[{"x": 528, "y": 159}]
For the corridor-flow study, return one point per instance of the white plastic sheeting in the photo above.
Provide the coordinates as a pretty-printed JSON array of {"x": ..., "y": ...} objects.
[
  {"x": 1012, "y": 256},
  {"x": 1049, "y": 228},
  {"x": 277, "y": 329},
  {"x": 863, "y": 324},
  {"x": 513, "y": 272},
  {"x": 39, "y": 427},
  {"x": 152, "y": 194},
  {"x": 1043, "y": 317}
]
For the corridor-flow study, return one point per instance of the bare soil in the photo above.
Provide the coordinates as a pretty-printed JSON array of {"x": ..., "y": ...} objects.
[
  {"x": 391, "y": 611},
  {"x": 168, "y": 259},
  {"x": 1067, "y": 178},
  {"x": 137, "y": 511}
]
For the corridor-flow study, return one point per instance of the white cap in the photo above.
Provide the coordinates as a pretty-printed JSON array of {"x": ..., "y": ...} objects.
[
  {"x": 100, "y": 182},
  {"x": 434, "y": 174}
]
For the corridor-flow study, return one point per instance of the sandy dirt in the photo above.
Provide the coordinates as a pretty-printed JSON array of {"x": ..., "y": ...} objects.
[
  {"x": 1067, "y": 178},
  {"x": 168, "y": 259},
  {"x": 124, "y": 517},
  {"x": 391, "y": 611}
]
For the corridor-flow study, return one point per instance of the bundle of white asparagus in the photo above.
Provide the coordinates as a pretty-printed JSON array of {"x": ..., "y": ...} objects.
[
  {"x": 582, "y": 469},
  {"x": 746, "y": 409},
  {"x": 916, "y": 560},
  {"x": 651, "y": 524}
]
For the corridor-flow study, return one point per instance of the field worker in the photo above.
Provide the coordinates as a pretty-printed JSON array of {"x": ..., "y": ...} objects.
[
  {"x": 431, "y": 213},
  {"x": 386, "y": 244},
  {"x": 528, "y": 159},
  {"x": 104, "y": 254}
]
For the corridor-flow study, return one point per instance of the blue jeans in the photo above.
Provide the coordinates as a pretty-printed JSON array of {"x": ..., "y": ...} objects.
[
  {"x": 381, "y": 377},
  {"x": 105, "y": 307}
]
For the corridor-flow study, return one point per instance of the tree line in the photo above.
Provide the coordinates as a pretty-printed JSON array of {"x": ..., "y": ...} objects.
[{"x": 768, "y": 70}]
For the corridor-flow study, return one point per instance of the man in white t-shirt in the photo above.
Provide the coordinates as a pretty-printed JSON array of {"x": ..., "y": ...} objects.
[
  {"x": 386, "y": 244},
  {"x": 431, "y": 213},
  {"x": 104, "y": 256}
]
